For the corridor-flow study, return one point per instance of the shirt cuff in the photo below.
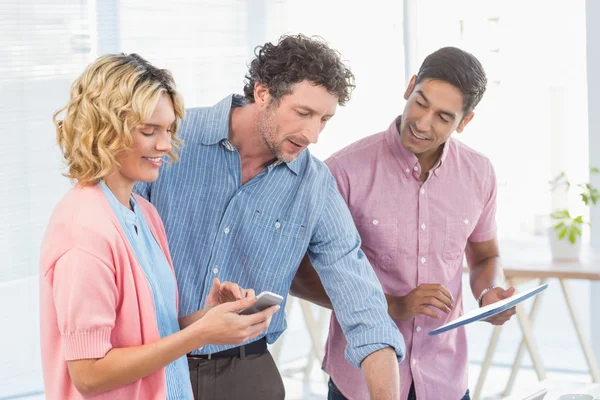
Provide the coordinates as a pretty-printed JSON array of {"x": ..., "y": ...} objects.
[
  {"x": 482, "y": 237},
  {"x": 83, "y": 345},
  {"x": 385, "y": 338}
]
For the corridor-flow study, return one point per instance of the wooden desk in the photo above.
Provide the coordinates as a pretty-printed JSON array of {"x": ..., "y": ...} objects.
[{"x": 530, "y": 260}]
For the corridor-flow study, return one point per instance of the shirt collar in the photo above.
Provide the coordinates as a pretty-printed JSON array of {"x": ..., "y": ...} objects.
[
  {"x": 294, "y": 166},
  {"x": 408, "y": 161},
  {"x": 218, "y": 117},
  {"x": 437, "y": 168},
  {"x": 129, "y": 216}
]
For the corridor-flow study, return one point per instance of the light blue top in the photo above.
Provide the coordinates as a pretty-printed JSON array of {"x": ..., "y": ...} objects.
[
  {"x": 257, "y": 234},
  {"x": 163, "y": 285}
]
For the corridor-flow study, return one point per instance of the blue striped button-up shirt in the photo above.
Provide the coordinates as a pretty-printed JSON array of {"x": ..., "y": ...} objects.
[{"x": 256, "y": 234}]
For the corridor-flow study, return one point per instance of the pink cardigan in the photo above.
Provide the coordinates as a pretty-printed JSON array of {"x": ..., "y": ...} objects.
[{"x": 94, "y": 295}]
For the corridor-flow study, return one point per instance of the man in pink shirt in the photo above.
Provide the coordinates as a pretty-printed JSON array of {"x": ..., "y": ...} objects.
[{"x": 421, "y": 200}]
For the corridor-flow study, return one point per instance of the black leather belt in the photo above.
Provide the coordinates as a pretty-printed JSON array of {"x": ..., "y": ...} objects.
[{"x": 258, "y": 347}]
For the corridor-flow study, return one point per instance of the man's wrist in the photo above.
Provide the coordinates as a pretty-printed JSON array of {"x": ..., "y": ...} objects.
[
  {"x": 394, "y": 306},
  {"x": 483, "y": 293}
]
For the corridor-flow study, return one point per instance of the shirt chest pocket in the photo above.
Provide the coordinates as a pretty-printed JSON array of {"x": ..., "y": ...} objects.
[
  {"x": 274, "y": 246},
  {"x": 276, "y": 226},
  {"x": 458, "y": 230},
  {"x": 379, "y": 237}
]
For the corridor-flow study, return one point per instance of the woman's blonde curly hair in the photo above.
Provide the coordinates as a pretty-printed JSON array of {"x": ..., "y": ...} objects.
[{"x": 112, "y": 96}]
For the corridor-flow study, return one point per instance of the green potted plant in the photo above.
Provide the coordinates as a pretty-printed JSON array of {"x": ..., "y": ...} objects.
[{"x": 566, "y": 229}]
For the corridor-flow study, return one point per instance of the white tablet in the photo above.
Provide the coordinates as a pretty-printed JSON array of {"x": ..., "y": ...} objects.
[{"x": 489, "y": 310}]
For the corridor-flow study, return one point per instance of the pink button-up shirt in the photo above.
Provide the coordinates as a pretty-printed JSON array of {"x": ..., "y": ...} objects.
[{"x": 414, "y": 233}]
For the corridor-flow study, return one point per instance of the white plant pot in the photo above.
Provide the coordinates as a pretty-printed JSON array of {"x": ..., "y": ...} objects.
[{"x": 563, "y": 249}]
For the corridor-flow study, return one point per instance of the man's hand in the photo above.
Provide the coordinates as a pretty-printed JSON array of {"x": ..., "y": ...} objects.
[
  {"x": 225, "y": 292},
  {"x": 419, "y": 301},
  {"x": 494, "y": 295}
]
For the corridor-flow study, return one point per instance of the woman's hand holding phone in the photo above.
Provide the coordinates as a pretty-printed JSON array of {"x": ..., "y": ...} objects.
[{"x": 223, "y": 325}]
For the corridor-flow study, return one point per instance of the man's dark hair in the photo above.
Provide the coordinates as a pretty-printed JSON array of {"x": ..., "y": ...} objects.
[
  {"x": 294, "y": 59},
  {"x": 460, "y": 69}
]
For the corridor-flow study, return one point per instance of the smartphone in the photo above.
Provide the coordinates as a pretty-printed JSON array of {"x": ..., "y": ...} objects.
[{"x": 263, "y": 301}]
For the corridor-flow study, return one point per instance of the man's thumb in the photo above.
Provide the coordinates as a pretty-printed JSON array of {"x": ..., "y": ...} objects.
[{"x": 508, "y": 292}]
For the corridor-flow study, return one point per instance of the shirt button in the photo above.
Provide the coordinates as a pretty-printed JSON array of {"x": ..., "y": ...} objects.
[
  {"x": 215, "y": 270},
  {"x": 277, "y": 225},
  {"x": 407, "y": 170},
  {"x": 422, "y": 191},
  {"x": 375, "y": 222},
  {"x": 423, "y": 260},
  {"x": 466, "y": 221},
  {"x": 416, "y": 168},
  {"x": 414, "y": 361},
  {"x": 418, "y": 329},
  {"x": 226, "y": 230},
  {"x": 423, "y": 226}
]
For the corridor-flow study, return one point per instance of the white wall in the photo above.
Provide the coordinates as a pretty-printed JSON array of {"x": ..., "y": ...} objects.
[
  {"x": 532, "y": 121},
  {"x": 20, "y": 369},
  {"x": 593, "y": 68},
  {"x": 369, "y": 36}
]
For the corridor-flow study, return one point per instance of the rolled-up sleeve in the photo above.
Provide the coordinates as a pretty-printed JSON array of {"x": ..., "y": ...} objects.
[
  {"x": 85, "y": 297},
  {"x": 349, "y": 280}
]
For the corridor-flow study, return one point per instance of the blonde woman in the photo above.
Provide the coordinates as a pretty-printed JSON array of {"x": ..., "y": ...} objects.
[{"x": 108, "y": 295}]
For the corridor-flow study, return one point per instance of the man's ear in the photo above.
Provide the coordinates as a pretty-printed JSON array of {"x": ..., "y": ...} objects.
[
  {"x": 464, "y": 122},
  {"x": 261, "y": 94},
  {"x": 410, "y": 87}
]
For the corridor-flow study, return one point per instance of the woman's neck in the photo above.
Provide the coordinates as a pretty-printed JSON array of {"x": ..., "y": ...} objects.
[{"x": 120, "y": 187}]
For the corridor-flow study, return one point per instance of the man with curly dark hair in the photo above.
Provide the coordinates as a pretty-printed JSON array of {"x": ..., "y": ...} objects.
[
  {"x": 247, "y": 201},
  {"x": 295, "y": 59}
]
